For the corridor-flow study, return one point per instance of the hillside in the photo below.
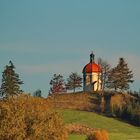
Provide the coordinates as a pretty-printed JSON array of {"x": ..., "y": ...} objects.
[
  {"x": 78, "y": 101},
  {"x": 75, "y": 110},
  {"x": 89, "y": 101},
  {"x": 117, "y": 130}
]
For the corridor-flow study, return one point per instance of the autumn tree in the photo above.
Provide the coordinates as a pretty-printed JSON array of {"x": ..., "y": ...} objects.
[
  {"x": 57, "y": 84},
  {"x": 105, "y": 69},
  {"x": 10, "y": 81},
  {"x": 74, "y": 81},
  {"x": 29, "y": 118},
  {"x": 120, "y": 76}
]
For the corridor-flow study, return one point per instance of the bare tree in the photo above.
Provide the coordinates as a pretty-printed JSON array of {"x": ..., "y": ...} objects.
[{"x": 105, "y": 69}]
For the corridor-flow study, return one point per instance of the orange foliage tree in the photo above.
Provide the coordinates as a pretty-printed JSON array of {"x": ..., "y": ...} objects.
[{"x": 24, "y": 117}]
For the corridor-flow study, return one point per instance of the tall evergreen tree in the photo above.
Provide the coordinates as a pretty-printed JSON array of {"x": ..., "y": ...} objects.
[
  {"x": 10, "y": 81},
  {"x": 74, "y": 81},
  {"x": 120, "y": 76},
  {"x": 57, "y": 84}
]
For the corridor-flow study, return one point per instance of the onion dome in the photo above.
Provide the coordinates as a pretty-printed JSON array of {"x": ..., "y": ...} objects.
[{"x": 92, "y": 66}]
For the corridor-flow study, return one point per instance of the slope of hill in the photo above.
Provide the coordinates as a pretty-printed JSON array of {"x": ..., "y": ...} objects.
[
  {"x": 90, "y": 101},
  {"x": 117, "y": 130},
  {"x": 77, "y": 101}
]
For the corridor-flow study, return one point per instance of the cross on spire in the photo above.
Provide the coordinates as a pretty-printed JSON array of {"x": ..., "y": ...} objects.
[{"x": 92, "y": 57}]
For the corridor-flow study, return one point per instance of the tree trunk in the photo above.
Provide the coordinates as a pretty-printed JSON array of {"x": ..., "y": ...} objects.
[
  {"x": 102, "y": 104},
  {"x": 74, "y": 90}
]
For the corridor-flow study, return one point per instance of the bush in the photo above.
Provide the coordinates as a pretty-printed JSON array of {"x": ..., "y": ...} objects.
[
  {"x": 79, "y": 129},
  {"x": 24, "y": 117},
  {"x": 129, "y": 112},
  {"x": 98, "y": 135}
]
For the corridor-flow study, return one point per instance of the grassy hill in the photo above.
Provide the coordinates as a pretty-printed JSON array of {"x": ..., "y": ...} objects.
[
  {"x": 118, "y": 130},
  {"x": 74, "y": 109}
]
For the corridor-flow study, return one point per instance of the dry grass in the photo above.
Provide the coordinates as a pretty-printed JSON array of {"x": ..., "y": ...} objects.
[
  {"x": 120, "y": 100},
  {"x": 77, "y": 101}
]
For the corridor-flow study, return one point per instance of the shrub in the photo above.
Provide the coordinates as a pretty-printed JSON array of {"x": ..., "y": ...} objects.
[
  {"x": 12, "y": 125},
  {"x": 129, "y": 112},
  {"x": 98, "y": 135},
  {"x": 79, "y": 129},
  {"x": 24, "y": 117}
]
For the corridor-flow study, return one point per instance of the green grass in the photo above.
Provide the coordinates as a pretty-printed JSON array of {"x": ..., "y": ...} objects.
[
  {"x": 77, "y": 137},
  {"x": 118, "y": 130}
]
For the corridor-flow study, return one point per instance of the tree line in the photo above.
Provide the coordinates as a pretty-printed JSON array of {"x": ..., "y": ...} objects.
[
  {"x": 58, "y": 84},
  {"x": 11, "y": 83},
  {"x": 116, "y": 78}
]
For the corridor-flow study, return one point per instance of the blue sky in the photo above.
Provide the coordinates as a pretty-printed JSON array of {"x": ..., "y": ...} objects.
[{"x": 43, "y": 37}]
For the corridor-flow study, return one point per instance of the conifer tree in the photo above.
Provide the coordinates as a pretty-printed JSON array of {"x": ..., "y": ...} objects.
[
  {"x": 57, "y": 84},
  {"x": 10, "y": 81},
  {"x": 37, "y": 93},
  {"x": 74, "y": 81},
  {"x": 120, "y": 76}
]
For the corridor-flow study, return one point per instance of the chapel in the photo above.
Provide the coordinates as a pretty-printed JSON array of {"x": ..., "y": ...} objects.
[{"x": 92, "y": 75}]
